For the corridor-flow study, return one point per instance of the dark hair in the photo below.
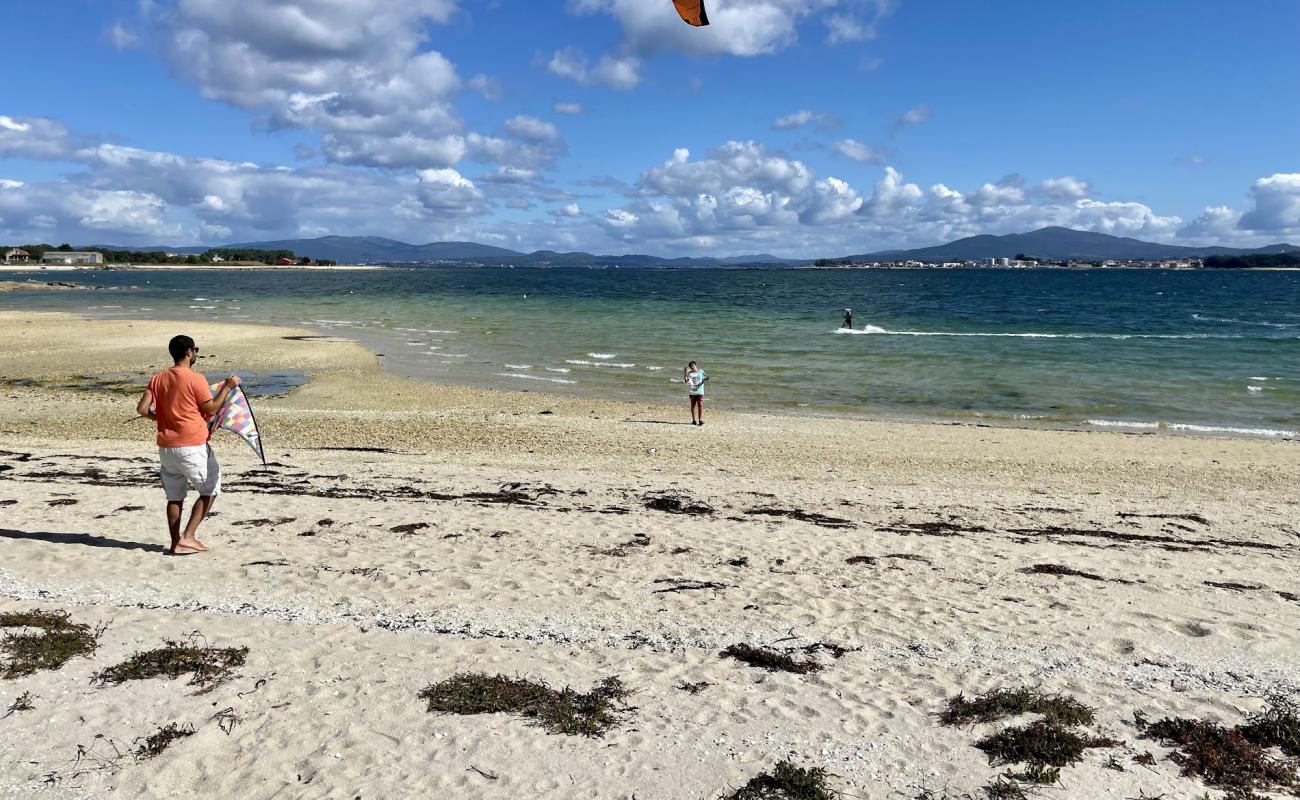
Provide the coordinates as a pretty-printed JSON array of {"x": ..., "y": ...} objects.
[
  {"x": 179, "y": 346},
  {"x": 689, "y": 365}
]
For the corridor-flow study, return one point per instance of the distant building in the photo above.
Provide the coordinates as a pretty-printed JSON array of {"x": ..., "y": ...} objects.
[
  {"x": 17, "y": 256},
  {"x": 285, "y": 262},
  {"x": 71, "y": 257}
]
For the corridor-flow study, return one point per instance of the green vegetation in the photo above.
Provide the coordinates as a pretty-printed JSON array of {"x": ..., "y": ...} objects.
[
  {"x": 112, "y": 256},
  {"x": 1002, "y": 703},
  {"x": 785, "y": 782},
  {"x": 210, "y": 666},
  {"x": 565, "y": 711},
  {"x": 59, "y": 641},
  {"x": 153, "y": 745},
  {"x": 1040, "y": 744},
  {"x": 1254, "y": 260}
]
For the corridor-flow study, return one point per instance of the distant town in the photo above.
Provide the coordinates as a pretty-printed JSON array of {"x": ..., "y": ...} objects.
[
  {"x": 65, "y": 256},
  {"x": 1018, "y": 261}
]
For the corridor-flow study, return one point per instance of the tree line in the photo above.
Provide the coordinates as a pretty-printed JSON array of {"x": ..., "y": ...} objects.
[
  {"x": 1289, "y": 259},
  {"x": 114, "y": 256}
]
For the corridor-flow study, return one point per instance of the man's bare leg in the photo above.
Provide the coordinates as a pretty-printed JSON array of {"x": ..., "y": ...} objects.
[
  {"x": 174, "y": 510},
  {"x": 188, "y": 541}
]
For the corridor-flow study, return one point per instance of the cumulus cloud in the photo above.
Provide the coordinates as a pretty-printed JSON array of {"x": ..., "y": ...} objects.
[
  {"x": 739, "y": 27},
  {"x": 352, "y": 71},
  {"x": 568, "y": 109},
  {"x": 33, "y": 137},
  {"x": 859, "y": 152},
  {"x": 611, "y": 72},
  {"x": 1276, "y": 201},
  {"x": 567, "y": 210},
  {"x": 1065, "y": 188},
  {"x": 913, "y": 117}
]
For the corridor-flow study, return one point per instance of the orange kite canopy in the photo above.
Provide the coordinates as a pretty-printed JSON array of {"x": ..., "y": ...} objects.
[{"x": 692, "y": 12}]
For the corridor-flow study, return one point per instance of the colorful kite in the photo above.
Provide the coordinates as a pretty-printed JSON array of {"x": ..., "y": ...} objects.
[
  {"x": 692, "y": 12},
  {"x": 237, "y": 417}
]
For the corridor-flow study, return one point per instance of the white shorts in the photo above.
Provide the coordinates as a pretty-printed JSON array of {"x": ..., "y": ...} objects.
[{"x": 185, "y": 467}]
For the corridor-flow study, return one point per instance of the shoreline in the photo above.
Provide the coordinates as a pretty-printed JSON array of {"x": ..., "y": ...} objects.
[
  {"x": 1163, "y": 429},
  {"x": 38, "y": 268}
]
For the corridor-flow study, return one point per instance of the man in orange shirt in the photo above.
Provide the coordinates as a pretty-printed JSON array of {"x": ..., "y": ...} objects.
[{"x": 181, "y": 402}]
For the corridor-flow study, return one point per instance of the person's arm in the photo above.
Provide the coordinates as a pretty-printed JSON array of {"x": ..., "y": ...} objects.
[
  {"x": 214, "y": 405},
  {"x": 143, "y": 407}
]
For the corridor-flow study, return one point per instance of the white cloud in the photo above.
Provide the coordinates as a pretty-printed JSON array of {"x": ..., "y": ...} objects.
[
  {"x": 1214, "y": 224},
  {"x": 487, "y": 86},
  {"x": 567, "y": 210},
  {"x": 352, "y": 71},
  {"x": 1065, "y": 188},
  {"x": 913, "y": 117},
  {"x": 859, "y": 152},
  {"x": 532, "y": 129},
  {"x": 119, "y": 37},
  {"x": 1276, "y": 201},
  {"x": 804, "y": 117},
  {"x": 33, "y": 137},
  {"x": 842, "y": 28},
  {"x": 613, "y": 72},
  {"x": 568, "y": 108}
]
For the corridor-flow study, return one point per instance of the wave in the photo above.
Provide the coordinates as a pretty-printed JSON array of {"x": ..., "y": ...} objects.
[
  {"x": 519, "y": 366},
  {"x": 602, "y": 356},
  {"x": 876, "y": 330},
  {"x": 582, "y": 362},
  {"x": 557, "y": 369},
  {"x": 533, "y": 377},
  {"x": 1233, "y": 321},
  {"x": 1183, "y": 426}
]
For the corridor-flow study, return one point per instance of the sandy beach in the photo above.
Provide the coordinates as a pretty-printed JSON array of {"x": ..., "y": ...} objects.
[{"x": 405, "y": 533}]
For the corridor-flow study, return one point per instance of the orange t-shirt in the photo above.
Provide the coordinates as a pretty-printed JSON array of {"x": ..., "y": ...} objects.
[{"x": 177, "y": 393}]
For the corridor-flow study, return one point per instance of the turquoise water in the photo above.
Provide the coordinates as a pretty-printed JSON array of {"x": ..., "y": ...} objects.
[{"x": 1198, "y": 351}]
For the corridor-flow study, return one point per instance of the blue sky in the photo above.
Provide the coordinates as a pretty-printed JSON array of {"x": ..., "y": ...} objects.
[{"x": 805, "y": 129}]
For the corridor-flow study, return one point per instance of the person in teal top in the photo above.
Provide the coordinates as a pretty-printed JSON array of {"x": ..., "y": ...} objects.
[{"x": 694, "y": 379}]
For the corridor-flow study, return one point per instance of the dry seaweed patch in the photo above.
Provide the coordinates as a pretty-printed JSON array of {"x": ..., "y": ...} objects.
[
  {"x": 154, "y": 744},
  {"x": 675, "y": 503},
  {"x": 785, "y": 782},
  {"x": 209, "y": 667},
  {"x": 564, "y": 711},
  {"x": 1238, "y": 760},
  {"x": 58, "y": 641},
  {"x": 1234, "y": 587},
  {"x": 1063, "y": 570},
  {"x": 770, "y": 660},
  {"x": 1003, "y": 703},
  {"x": 1042, "y": 743},
  {"x": 815, "y": 518},
  {"x": 933, "y": 528}
]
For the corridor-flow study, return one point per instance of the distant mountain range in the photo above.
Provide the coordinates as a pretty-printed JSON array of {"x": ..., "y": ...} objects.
[
  {"x": 1045, "y": 243},
  {"x": 1060, "y": 244},
  {"x": 376, "y": 249}
]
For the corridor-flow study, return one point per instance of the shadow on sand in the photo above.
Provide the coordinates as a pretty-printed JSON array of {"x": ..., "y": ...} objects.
[
  {"x": 79, "y": 538},
  {"x": 655, "y": 422}
]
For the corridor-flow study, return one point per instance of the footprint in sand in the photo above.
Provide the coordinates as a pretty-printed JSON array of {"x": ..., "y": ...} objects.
[{"x": 1195, "y": 629}]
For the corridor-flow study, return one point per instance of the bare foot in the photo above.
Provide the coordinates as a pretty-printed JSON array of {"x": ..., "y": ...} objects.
[{"x": 191, "y": 545}]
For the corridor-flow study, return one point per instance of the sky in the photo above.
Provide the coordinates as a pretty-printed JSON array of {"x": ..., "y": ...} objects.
[{"x": 797, "y": 128}]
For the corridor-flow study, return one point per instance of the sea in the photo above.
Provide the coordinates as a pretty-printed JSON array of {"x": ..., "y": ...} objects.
[{"x": 1161, "y": 351}]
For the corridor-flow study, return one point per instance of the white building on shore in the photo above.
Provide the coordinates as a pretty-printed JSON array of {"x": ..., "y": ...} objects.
[{"x": 71, "y": 257}]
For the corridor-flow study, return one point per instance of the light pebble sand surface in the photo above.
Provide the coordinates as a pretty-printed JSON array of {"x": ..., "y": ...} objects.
[{"x": 515, "y": 533}]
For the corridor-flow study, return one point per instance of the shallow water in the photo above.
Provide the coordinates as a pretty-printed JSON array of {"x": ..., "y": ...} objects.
[{"x": 1129, "y": 349}]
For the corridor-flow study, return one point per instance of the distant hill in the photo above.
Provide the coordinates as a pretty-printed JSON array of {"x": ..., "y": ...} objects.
[
  {"x": 1045, "y": 243},
  {"x": 372, "y": 249},
  {"x": 1058, "y": 243}
]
